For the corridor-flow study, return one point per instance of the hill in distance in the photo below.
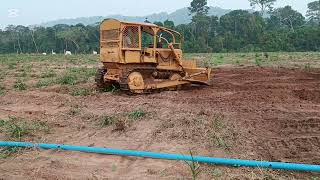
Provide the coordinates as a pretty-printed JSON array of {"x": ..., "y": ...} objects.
[{"x": 180, "y": 16}]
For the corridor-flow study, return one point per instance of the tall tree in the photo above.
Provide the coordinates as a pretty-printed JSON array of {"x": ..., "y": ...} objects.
[
  {"x": 199, "y": 7},
  {"x": 264, "y": 5},
  {"x": 288, "y": 17},
  {"x": 241, "y": 27},
  {"x": 313, "y": 12},
  {"x": 168, "y": 24},
  {"x": 200, "y": 24}
]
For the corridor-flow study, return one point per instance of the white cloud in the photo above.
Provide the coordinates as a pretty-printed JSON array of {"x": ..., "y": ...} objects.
[{"x": 13, "y": 13}]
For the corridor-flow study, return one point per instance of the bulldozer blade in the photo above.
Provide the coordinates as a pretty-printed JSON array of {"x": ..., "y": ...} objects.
[
  {"x": 198, "y": 75},
  {"x": 166, "y": 84}
]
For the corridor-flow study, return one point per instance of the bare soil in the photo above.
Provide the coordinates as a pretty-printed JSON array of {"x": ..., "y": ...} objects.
[{"x": 256, "y": 113}]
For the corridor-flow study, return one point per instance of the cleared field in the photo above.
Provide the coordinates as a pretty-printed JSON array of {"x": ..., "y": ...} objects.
[{"x": 259, "y": 106}]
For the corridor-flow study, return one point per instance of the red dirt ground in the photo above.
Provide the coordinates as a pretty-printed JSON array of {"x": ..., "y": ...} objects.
[{"x": 249, "y": 113}]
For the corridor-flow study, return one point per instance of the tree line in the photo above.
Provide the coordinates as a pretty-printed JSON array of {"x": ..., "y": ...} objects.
[{"x": 267, "y": 29}]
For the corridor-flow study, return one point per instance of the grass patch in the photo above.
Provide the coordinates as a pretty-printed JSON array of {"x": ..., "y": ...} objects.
[
  {"x": 258, "y": 61},
  {"x": 194, "y": 167},
  {"x": 119, "y": 123},
  {"x": 17, "y": 128},
  {"x": 220, "y": 142},
  {"x": 2, "y": 91},
  {"x": 48, "y": 74},
  {"x": 137, "y": 114},
  {"x": 237, "y": 62},
  {"x": 74, "y": 76},
  {"x": 217, "y": 61},
  {"x": 122, "y": 121},
  {"x": 220, "y": 133},
  {"x": 19, "y": 85},
  {"x": 218, "y": 122},
  {"x": 68, "y": 80},
  {"x": 12, "y": 65},
  {"x": 81, "y": 92},
  {"x": 108, "y": 120},
  {"x": 75, "y": 111},
  {"x": 307, "y": 67},
  {"x": 44, "y": 82},
  {"x": 113, "y": 89},
  {"x": 8, "y": 151},
  {"x": 216, "y": 173}
]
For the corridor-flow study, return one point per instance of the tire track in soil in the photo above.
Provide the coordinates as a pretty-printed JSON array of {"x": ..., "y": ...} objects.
[{"x": 293, "y": 133}]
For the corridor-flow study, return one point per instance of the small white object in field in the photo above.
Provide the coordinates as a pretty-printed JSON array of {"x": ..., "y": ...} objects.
[
  {"x": 44, "y": 53},
  {"x": 68, "y": 53},
  {"x": 94, "y": 52},
  {"x": 53, "y": 52}
]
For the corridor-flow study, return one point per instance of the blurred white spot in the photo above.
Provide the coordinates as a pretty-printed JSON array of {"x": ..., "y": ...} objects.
[{"x": 13, "y": 13}]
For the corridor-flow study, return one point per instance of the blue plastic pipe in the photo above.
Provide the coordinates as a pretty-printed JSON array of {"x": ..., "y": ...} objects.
[{"x": 201, "y": 159}]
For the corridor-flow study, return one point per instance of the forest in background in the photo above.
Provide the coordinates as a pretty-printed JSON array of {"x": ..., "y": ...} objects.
[{"x": 284, "y": 29}]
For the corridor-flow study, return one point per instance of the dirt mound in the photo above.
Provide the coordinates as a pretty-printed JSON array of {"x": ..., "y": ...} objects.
[{"x": 249, "y": 113}]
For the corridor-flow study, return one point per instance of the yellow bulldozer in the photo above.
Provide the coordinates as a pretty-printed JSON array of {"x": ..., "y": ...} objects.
[{"x": 141, "y": 57}]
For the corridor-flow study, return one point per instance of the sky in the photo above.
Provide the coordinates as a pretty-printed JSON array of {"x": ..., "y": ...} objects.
[{"x": 28, "y": 12}]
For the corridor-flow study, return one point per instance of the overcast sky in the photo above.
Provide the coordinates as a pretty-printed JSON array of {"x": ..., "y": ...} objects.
[{"x": 28, "y": 12}]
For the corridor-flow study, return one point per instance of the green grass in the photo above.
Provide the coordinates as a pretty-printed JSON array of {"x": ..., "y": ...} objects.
[
  {"x": 217, "y": 61},
  {"x": 307, "y": 67},
  {"x": 123, "y": 120},
  {"x": 2, "y": 90},
  {"x": 8, "y": 151},
  {"x": 137, "y": 114},
  {"x": 194, "y": 167},
  {"x": 258, "y": 61},
  {"x": 68, "y": 79},
  {"x": 216, "y": 173},
  {"x": 48, "y": 74},
  {"x": 73, "y": 76},
  {"x": 17, "y": 128},
  {"x": 220, "y": 142},
  {"x": 19, "y": 85},
  {"x": 218, "y": 122},
  {"x": 113, "y": 89},
  {"x": 108, "y": 120},
  {"x": 12, "y": 65},
  {"x": 44, "y": 82}
]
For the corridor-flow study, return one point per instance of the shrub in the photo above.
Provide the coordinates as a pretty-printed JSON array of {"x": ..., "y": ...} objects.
[{"x": 19, "y": 85}]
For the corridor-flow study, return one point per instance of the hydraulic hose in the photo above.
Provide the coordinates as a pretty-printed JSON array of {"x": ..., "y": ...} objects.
[{"x": 200, "y": 159}]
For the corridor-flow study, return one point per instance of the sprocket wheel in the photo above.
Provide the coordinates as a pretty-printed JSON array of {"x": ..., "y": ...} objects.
[
  {"x": 101, "y": 84},
  {"x": 136, "y": 82}
]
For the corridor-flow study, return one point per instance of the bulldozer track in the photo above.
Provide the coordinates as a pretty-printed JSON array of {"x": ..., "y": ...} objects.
[
  {"x": 146, "y": 71},
  {"x": 123, "y": 82},
  {"x": 310, "y": 126}
]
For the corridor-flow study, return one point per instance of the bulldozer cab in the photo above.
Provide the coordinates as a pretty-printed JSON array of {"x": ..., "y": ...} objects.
[{"x": 128, "y": 42}]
